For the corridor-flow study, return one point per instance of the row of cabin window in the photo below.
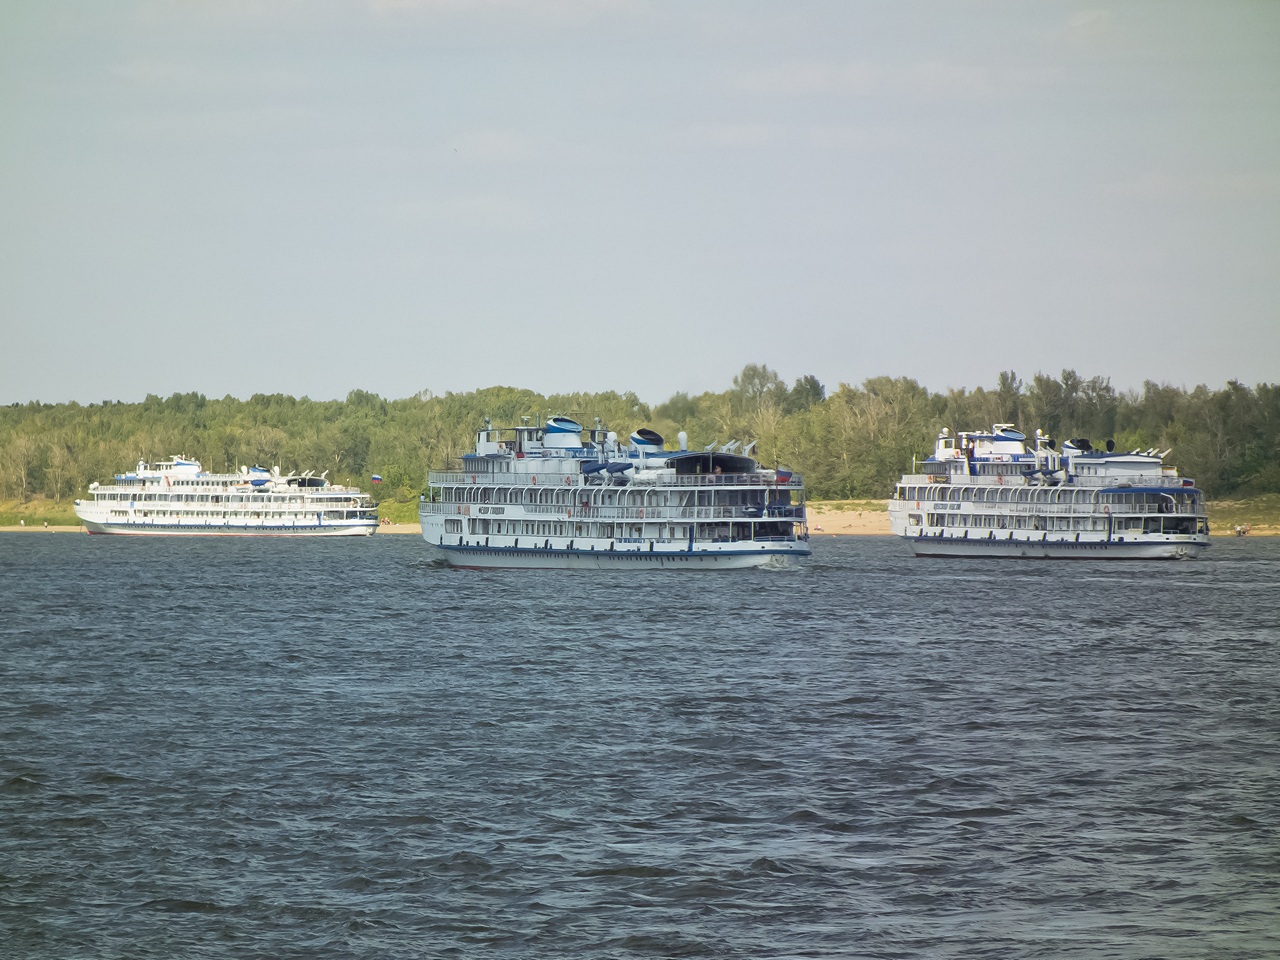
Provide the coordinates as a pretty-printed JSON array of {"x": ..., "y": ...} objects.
[
  {"x": 1075, "y": 495},
  {"x": 997, "y": 522}
]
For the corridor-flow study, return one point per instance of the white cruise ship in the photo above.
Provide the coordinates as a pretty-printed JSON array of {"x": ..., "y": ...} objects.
[
  {"x": 176, "y": 497},
  {"x": 988, "y": 495},
  {"x": 548, "y": 496}
]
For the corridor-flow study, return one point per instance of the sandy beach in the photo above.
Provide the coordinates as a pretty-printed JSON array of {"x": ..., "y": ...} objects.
[
  {"x": 840, "y": 521},
  {"x": 413, "y": 528},
  {"x": 39, "y": 528}
]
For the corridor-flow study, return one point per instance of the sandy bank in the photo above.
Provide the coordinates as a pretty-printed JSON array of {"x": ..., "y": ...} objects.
[
  {"x": 826, "y": 520},
  {"x": 40, "y": 528}
]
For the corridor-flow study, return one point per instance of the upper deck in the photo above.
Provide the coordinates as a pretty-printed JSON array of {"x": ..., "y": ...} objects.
[
  {"x": 182, "y": 476},
  {"x": 562, "y": 453},
  {"x": 1002, "y": 457}
]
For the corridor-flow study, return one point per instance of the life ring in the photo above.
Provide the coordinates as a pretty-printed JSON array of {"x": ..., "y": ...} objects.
[
  {"x": 569, "y": 512},
  {"x": 1000, "y": 478}
]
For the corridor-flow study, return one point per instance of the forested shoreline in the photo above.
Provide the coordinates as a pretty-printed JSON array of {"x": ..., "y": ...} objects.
[{"x": 850, "y": 443}]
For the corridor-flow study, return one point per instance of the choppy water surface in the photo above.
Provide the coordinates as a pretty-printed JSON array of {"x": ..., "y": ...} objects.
[{"x": 333, "y": 749}]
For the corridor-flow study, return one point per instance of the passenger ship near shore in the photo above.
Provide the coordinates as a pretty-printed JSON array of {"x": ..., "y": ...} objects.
[
  {"x": 987, "y": 495},
  {"x": 541, "y": 496},
  {"x": 176, "y": 497}
]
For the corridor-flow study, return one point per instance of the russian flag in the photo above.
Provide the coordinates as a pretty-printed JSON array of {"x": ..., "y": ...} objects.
[{"x": 377, "y": 478}]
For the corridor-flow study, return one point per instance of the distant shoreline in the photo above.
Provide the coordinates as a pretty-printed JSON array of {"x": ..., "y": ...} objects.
[
  {"x": 824, "y": 521},
  {"x": 40, "y": 528}
]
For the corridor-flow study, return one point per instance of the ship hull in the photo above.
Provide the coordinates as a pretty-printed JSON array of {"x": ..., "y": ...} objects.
[
  {"x": 1179, "y": 549},
  {"x": 475, "y": 557},
  {"x": 227, "y": 530}
]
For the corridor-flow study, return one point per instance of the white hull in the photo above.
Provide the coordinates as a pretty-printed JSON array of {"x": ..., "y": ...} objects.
[
  {"x": 229, "y": 530},
  {"x": 1050, "y": 549},
  {"x": 708, "y": 557}
]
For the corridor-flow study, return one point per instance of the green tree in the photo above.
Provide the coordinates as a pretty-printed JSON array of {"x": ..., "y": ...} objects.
[
  {"x": 755, "y": 387},
  {"x": 806, "y": 392}
]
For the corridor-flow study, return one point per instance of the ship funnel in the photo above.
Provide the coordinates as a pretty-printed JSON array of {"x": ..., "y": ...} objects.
[
  {"x": 562, "y": 434},
  {"x": 647, "y": 440}
]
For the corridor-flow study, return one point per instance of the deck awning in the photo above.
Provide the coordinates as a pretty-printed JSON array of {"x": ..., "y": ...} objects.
[{"x": 694, "y": 462}]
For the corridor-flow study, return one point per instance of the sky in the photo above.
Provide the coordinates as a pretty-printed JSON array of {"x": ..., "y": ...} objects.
[{"x": 314, "y": 196}]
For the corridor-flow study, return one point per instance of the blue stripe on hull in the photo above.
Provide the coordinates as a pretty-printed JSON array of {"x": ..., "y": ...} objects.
[
  {"x": 1054, "y": 549},
  {"x": 156, "y": 529},
  {"x": 492, "y": 557}
]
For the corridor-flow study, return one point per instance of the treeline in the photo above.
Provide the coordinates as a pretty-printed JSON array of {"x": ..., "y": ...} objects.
[{"x": 850, "y": 443}]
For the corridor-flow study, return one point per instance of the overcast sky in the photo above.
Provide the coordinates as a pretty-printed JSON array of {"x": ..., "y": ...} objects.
[{"x": 311, "y": 196}]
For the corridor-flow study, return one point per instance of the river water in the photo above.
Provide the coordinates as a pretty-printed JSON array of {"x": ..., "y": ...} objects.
[{"x": 279, "y": 749}]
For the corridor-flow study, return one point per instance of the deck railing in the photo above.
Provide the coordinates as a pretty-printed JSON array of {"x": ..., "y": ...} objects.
[
  {"x": 611, "y": 513},
  {"x": 1056, "y": 510},
  {"x": 552, "y": 478},
  {"x": 1139, "y": 480}
]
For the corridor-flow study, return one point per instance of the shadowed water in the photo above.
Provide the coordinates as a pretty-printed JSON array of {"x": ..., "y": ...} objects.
[{"x": 297, "y": 749}]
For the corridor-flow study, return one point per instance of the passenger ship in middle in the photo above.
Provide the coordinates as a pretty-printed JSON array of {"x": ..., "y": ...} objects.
[
  {"x": 541, "y": 497},
  {"x": 984, "y": 494}
]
